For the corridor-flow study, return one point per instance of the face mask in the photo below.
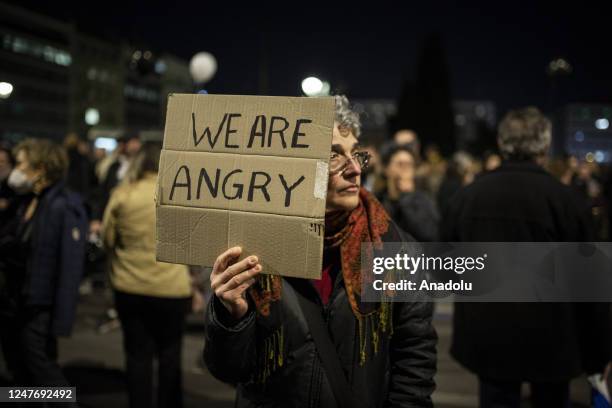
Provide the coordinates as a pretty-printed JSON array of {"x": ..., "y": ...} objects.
[{"x": 19, "y": 182}]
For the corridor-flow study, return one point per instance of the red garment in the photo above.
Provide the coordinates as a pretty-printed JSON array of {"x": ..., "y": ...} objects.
[{"x": 325, "y": 285}]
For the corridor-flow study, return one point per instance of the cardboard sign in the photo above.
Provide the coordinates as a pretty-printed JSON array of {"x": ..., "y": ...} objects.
[{"x": 249, "y": 171}]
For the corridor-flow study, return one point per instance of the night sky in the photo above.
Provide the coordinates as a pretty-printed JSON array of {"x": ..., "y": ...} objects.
[{"x": 495, "y": 51}]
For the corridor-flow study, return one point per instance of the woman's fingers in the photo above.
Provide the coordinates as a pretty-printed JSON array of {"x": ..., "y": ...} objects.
[
  {"x": 225, "y": 259},
  {"x": 238, "y": 292},
  {"x": 231, "y": 278},
  {"x": 238, "y": 279},
  {"x": 231, "y": 271}
]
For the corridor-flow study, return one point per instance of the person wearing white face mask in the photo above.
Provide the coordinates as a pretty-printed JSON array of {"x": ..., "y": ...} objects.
[
  {"x": 19, "y": 181},
  {"x": 42, "y": 252}
]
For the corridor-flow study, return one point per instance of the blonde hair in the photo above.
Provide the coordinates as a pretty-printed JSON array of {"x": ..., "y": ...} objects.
[{"x": 43, "y": 154}]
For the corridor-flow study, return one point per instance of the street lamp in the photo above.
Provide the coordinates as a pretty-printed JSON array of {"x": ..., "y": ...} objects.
[
  {"x": 602, "y": 123},
  {"x": 92, "y": 116},
  {"x": 559, "y": 66},
  {"x": 203, "y": 67},
  {"x": 6, "y": 89},
  {"x": 312, "y": 86}
]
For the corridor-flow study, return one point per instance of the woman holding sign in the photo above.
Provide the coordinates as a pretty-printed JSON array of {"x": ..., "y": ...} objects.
[{"x": 299, "y": 343}]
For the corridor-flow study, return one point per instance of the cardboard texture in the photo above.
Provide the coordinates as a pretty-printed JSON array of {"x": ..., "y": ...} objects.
[{"x": 248, "y": 171}]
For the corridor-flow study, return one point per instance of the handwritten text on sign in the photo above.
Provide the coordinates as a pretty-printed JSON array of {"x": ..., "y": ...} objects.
[
  {"x": 248, "y": 171},
  {"x": 260, "y": 130},
  {"x": 242, "y": 177}
]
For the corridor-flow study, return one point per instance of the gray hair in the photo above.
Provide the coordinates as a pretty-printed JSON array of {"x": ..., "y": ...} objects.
[
  {"x": 524, "y": 134},
  {"x": 463, "y": 162},
  {"x": 346, "y": 118}
]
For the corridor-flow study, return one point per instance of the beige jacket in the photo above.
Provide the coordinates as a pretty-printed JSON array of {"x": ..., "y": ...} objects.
[{"x": 129, "y": 235}]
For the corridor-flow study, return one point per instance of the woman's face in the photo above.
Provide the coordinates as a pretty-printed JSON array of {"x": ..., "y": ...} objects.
[
  {"x": 343, "y": 187},
  {"x": 23, "y": 164},
  {"x": 401, "y": 166}
]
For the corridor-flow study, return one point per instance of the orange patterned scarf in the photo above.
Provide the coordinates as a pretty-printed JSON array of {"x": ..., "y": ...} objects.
[
  {"x": 348, "y": 230},
  {"x": 366, "y": 224}
]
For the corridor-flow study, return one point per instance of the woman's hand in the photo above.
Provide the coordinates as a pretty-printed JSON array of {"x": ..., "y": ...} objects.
[{"x": 230, "y": 279}]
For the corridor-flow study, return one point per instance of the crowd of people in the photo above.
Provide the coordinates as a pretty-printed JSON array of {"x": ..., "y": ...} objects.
[
  {"x": 402, "y": 174},
  {"x": 59, "y": 203}
]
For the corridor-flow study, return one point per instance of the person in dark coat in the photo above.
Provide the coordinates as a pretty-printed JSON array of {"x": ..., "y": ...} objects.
[
  {"x": 81, "y": 176},
  {"x": 412, "y": 210},
  {"x": 128, "y": 147},
  {"x": 459, "y": 173},
  {"x": 41, "y": 257},
  {"x": 256, "y": 333},
  {"x": 505, "y": 344}
]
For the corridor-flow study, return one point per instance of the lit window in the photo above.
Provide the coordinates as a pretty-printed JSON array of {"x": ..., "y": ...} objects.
[
  {"x": 19, "y": 45},
  {"x": 45, "y": 52}
]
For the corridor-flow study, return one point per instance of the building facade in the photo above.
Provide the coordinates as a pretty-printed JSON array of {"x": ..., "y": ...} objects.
[
  {"x": 36, "y": 59},
  {"x": 66, "y": 81}
]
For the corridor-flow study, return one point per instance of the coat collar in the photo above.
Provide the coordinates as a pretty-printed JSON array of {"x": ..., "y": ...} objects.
[
  {"x": 520, "y": 166},
  {"x": 53, "y": 190}
]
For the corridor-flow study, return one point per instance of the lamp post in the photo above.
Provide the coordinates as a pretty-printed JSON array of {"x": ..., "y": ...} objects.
[
  {"x": 557, "y": 70},
  {"x": 6, "y": 89}
]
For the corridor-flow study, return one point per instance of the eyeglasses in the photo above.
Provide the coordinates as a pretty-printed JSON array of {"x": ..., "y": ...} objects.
[{"x": 339, "y": 163}]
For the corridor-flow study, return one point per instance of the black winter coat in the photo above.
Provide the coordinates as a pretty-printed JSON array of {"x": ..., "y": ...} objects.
[
  {"x": 399, "y": 375},
  {"x": 414, "y": 213},
  {"x": 521, "y": 202},
  {"x": 55, "y": 255}
]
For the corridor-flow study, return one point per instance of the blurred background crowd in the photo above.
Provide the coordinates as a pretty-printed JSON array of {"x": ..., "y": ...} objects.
[{"x": 82, "y": 106}]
